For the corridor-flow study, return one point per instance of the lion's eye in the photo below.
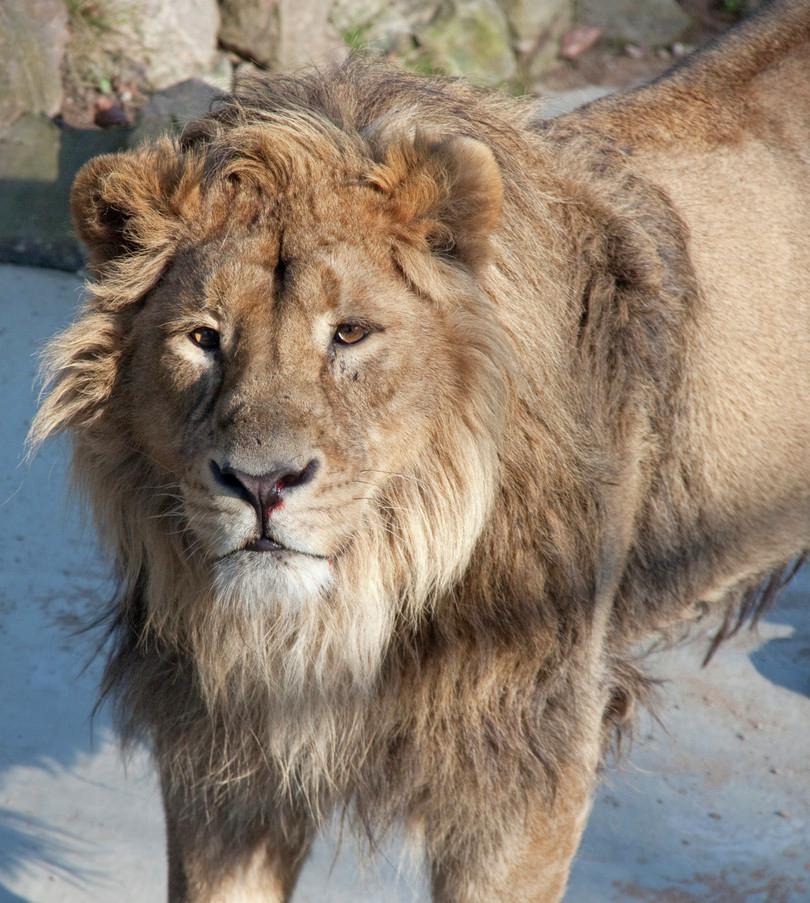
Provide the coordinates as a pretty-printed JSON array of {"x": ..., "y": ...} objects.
[
  {"x": 350, "y": 333},
  {"x": 205, "y": 338}
]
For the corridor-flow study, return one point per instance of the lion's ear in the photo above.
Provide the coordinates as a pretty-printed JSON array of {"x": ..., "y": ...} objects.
[
  {"x": 119, "y": 201},
  {"x": 445, "y": 192}
]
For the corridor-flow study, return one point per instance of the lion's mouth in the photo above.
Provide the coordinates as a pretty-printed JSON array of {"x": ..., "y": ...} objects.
[{"x": 266, "y": 543}]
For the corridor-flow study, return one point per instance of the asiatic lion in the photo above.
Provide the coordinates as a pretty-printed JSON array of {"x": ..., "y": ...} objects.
[{"x": 406, "y": 414}]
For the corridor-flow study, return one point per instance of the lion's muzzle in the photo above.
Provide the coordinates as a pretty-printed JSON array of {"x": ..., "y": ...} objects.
[{"x": 265, "y": 492}]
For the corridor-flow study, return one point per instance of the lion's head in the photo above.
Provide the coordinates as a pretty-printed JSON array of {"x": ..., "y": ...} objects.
[{"x": 287, "y": 386}]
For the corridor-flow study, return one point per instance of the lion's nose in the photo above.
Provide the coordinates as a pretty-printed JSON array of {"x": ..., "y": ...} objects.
[{"x": 264, "y": 491}]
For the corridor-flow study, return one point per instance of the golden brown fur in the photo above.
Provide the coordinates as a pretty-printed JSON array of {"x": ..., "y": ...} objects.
[{"x": 580, "y": 414}]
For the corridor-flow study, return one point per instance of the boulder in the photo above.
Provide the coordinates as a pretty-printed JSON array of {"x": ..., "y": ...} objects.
[
  {"x": 177, "y": 39},
  {"x": 221, "y": 74},
  {"x": 33, "y": 35},
  {"x": 469, "y": 38},
  {"x": 650, "y": 23},
  {"x": 536, "y": 27},
  {"x": 353, "y": 17},
  {"x": 391, "y": 28},
  {"x": 251, "y": 28},
  {"x": 169, "y": 110},
  {"x": 165, "y": 42},
  {"x": 281, "y": 34},
  {"x": 306, "y": 35}
]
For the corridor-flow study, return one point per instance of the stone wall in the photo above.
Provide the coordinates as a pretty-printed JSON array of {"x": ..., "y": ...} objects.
[
  {"x": 84, "y": 57},
  {"x": 80, "y": 76}
]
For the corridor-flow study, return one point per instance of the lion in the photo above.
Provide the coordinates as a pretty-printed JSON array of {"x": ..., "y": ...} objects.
[{"x": 406, "y": 414}]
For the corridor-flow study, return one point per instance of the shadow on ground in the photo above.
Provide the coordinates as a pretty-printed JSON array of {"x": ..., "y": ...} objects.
[{"x": 785, "y": 661}]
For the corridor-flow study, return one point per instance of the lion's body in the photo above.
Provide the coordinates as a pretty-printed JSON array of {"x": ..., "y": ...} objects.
[
  {"x": 579, "y": 413},
  {"x": 727, "y": 138}
]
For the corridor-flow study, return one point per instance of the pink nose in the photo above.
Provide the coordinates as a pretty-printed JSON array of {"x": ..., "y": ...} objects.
[{"x": 264, "y": 491}]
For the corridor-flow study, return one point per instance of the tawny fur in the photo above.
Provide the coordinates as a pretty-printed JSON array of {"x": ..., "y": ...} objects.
[{"x": 580, "y": 419}]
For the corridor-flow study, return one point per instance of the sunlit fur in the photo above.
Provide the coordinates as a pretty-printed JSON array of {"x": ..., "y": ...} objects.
[{"x": 460, "y": 649}]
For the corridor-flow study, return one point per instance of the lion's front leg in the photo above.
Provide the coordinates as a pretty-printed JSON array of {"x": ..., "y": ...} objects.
[
  {"x": 527, "y": 863},
  {"x": 225, "y": 857}
]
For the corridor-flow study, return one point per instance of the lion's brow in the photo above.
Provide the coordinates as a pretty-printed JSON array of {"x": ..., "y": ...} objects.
[{"x": 331, "y": 285}]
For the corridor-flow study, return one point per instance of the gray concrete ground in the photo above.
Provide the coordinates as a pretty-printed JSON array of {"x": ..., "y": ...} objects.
[{"x": 712, "y": 806}]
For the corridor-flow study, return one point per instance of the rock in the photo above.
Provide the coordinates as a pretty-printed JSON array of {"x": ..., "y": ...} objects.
[
  {"x": 109, "y": 113},
  {"x": 468, "y": 38},
  {"x": 179, "y": 38},
  {"x": 169, "y": 42},
  {"x": 471, "y": 38},
  {"x": 306, "y": 35},
  {"x": 394, "y": 30},
  {"x": 221, "y": 74},
  {"x": 33, "y": 36},
  {"x": 353, "y": 17},
  {"x": 252, "y": 28},
  {"x": 169, "y": 110},
  {"x": 635, "y": 52},
  {"x": 38, "y": 161},
  {"x": 650, "y": 23},
  {"x": 29, "y": 150},
  {"x": 281, "y": 34},
  {"x": 680, "y": 50},
  {"x": 536, "y": 27},
  {"x": 579, "y": 40}
]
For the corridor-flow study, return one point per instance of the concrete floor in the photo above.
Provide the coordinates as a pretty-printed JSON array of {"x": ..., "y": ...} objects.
[{"x": 712, "y": 806}]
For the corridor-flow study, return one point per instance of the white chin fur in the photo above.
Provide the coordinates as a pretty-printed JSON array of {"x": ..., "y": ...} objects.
[
  {"x": 262, "y": 580},
  {"x": 288, "y": 620}
]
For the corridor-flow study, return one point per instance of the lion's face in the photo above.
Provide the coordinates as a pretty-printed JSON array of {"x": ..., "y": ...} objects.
[
  {"x": 308, "y": 369},
  {"x": 282, "y": 382}
]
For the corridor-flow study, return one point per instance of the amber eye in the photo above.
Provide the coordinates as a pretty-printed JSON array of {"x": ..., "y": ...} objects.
[
  {"x": 205, "y": 338},
  {"x": 350, "y": 333}
]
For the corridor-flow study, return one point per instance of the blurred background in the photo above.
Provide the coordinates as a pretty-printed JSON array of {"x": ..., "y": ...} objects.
[
  {"x": 81, "y": 77},
  {"x": 711, "y": 804}
]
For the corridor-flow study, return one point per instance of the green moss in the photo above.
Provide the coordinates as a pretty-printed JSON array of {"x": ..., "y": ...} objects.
[
  {"x": 88, "y": 62},
  {"x": 470, "y": 39},
  {"x": 86, "y": 14},
  {"x": 356, "y": 38},
  {"x": 421, "y": 63}
]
